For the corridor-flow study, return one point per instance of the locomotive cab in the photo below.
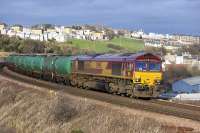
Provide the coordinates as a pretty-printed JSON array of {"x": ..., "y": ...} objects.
[{"x": 147, "y": 75}]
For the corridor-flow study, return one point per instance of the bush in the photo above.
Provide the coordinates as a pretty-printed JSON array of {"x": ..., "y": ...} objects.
[
  {"x": 192, "y": 49},
  {"x": 77, "y": 131},
  {"x": 69, "y": 42},
  {"x": 7, "y": 95},
  {"x": 32, "y": 46},
  {"x": 156, "y": 50},
  {"x": 116, "y": 47},
  {"x": 62, "y": 111},
  {"x": 178, "y": 72},
  {"x": 16, "y": 44},
  {"x": 7, "y": 130}
]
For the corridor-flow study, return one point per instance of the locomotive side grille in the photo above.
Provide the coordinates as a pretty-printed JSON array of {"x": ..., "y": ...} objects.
[
  {"x": 81, "y": 65},
  {"x": 116, "y": 68}
]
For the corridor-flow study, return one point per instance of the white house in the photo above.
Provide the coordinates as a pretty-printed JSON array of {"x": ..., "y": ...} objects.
[
  {"x": 26, "y": 30},
  {"x": 4, "y": 31},
  {"x": 179, "y": 59},
  {"x": 21, "y": 34},
  {"x": 153, "y": 43},
  {"x": 35, "y": 36},
  {"x": 59, "y": 29},
  {"x": 11, "y": 33},
  {"x": 87, "y": 32},
  {"x": 137, "y": 34},
  {"x": 61, "y": 38}
]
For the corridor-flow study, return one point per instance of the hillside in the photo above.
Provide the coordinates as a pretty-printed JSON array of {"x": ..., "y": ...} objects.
[
  {"x": 115, "y": 45},
  {"x": 26, "y": 108},
  {"x": 74, "y": 46}
]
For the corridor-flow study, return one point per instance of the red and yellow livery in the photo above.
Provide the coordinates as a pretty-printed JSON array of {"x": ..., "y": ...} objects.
[{"x": 137, "y": 75}]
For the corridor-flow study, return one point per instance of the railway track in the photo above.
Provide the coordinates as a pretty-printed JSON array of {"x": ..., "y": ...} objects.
[
  {"x": 158, "y": 106},
  {"x": 179, "y": 105}
]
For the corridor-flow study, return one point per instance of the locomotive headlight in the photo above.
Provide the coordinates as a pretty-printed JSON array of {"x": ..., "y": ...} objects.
[
  {"x": 157, "y": 81},
  {"x": 137, "y": 79}
]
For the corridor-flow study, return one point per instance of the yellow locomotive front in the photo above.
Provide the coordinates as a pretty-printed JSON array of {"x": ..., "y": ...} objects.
[{"x": 147, "y": 78}]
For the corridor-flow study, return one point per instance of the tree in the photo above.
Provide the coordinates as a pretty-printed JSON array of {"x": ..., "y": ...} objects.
[
  {"x": 178, "y": 72},
  {"x": 32, "y": 46},
  {"x": 192, "y": 49},
  {"x": 110, "y": 33},
  {"x": 42, "y": 26},
  {"x": 161, "y": 50},
  {"x": 9, "y": 44}
]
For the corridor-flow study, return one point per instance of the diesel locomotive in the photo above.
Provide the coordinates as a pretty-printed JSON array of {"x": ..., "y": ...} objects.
[{"x": 134, "y": 75}]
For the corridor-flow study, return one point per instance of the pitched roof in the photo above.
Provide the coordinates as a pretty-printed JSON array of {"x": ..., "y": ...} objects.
[{"x": 192, "y": 81}]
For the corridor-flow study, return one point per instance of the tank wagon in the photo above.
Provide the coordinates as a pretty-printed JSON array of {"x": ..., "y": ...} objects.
[
  {"x": 49, "y": 67},
  {"x": 134, "y": 75},
  {"x": 27, "y": 64}
]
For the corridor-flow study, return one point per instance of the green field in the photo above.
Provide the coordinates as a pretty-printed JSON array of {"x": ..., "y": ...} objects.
[{"x": 115, "y": 45}]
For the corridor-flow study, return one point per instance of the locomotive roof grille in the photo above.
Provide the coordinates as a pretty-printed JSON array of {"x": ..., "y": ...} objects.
[{"x": 114, "y": 57}]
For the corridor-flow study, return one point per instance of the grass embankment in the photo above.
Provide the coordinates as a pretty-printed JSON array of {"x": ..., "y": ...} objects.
[
  {"x": 74, "y": 46},
  {"x": 115, "y": 45}
]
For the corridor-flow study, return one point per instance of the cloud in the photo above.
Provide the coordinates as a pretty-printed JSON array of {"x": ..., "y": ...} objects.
[{"x": 153, "y": 15}]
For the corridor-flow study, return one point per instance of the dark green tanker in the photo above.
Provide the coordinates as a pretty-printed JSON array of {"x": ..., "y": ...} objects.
[
  {"x": 63, "y": 66},
  {"x": 45, "y": 65}
]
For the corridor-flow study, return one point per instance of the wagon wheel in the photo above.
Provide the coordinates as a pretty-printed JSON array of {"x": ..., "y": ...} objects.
[
  {"x": 65, "y": 82},
  {"x": 107, "y": 87},
  {"x": 113, "y": 88},
  {"x": 84, "y": 86},
  {"x": 73, "y": 83},
  {"x": 56, "y": 80}
]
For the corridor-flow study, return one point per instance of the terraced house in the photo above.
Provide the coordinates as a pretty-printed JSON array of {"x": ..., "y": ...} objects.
[
  {"x": 67, "y": 30},
  {"x": 17, "y": 28},
  {"x": 59, "y": 33},
  {"x": 2, "y": 27},
  {"x": 187, "y": 38},
  {"x": 36, "y": 31},
  {"x": 97, "y": 36}
]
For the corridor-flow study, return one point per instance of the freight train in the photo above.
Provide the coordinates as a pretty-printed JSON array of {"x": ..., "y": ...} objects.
[{"x": 134, "y": 75}]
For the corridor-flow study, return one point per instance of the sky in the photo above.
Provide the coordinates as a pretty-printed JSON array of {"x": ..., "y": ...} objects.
[{"x": 160, "y": 16}]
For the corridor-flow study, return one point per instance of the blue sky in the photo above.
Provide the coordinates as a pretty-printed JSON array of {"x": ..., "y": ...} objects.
[{"x": 162, "y": 16}]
